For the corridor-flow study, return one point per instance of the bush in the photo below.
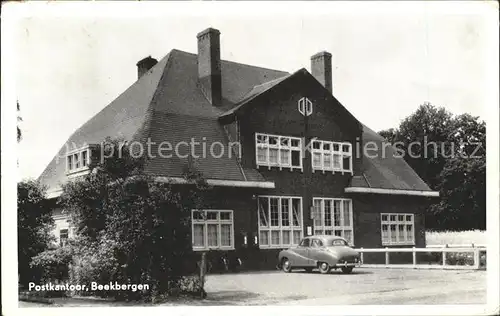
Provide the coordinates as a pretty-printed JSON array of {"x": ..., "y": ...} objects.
[
  {"x": 54, "y": 267},
  {"x": 460, "y": 258},
  {"x": 95, "y": 262},
  {"x": 34, "y": 223},
  {"x": 132, "y": 229}
]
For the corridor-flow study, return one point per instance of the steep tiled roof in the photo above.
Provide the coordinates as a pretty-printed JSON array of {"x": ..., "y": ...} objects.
[
  {"x": 384, "y": 169},
  {"x": 166, "y": 104}
]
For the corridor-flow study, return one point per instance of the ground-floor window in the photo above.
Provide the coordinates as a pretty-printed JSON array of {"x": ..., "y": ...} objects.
[
  {"x": 212, "y": 229},
  {"x": 398, "y": 229},
  {"x": 62, "y": 230},
  {"x": 333, "y": 216},
  {"x": 63, "y": 236},
  {"x": 280, "y": 221}
]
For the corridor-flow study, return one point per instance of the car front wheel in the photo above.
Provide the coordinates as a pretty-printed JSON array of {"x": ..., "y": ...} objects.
[
  {"x": 347, "y": 270},
  {"x": 286, "y": 265},
  {"x": 323, "y": 267}
]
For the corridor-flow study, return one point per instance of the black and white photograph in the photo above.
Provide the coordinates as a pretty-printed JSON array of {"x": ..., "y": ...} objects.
[{"x": 305, "y": 158}]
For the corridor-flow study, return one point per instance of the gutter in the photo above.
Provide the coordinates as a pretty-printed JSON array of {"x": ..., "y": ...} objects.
[
  {"x": 179, "y": 180},
  {"x": 391, "y": 191},
  {"x": 222, "y": 183}
]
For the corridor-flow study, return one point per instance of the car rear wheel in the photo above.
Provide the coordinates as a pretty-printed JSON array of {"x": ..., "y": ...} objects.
[
  {"x": 347, "y": 270},
  {"x": 286, "y": 265},
  {"x": 323, "y": 267}
]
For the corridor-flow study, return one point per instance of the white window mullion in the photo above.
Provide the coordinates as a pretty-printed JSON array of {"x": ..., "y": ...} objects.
[
  {"x": 351, "y": 220},
  {"x": 342, "y": 214},
  {"x": 268, "y": 160},
  {"x": 279, "y": 152},
  {"x": 205, "y": 237},
  {"x": 219, "y": 233},
  {"x": 279, "y": 212},
  {"x": 269, "y": 217}
]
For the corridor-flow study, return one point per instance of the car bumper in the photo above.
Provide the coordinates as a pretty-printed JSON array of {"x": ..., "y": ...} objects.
[{"x": 346, "y": 264}]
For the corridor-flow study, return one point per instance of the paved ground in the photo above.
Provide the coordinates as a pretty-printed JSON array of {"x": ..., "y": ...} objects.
[{"x": 363, "y": 286}]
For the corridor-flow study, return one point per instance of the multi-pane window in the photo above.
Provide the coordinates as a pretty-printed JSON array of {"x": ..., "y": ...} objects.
[
  {"x": 78, "y": 160},
  {"x": 278, "y": 151},
  {"x": 331, "y": 156},
  {"x": 333, "y": 217},
  {"x": 63, "y": 236},
  {"x": 212, "y": 229},
  {"x": 397, "y": 229},
  {"x": 280, "y": 221}
]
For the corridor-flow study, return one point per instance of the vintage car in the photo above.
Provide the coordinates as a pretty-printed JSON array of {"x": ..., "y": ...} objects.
[{"x": 320, "y": 252}]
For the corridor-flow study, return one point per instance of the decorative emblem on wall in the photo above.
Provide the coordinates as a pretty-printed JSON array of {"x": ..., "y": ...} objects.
[{"x": 305, "y": 106}]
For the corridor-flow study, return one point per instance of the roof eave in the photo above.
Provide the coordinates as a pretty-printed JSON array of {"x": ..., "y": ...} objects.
[
  {"x": 392, "y": 191},
  {"x": 179, "y": 180},
  {"x": 222, "y": 183}
]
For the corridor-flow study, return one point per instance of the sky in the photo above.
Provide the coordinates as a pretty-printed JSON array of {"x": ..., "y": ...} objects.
[{"x": 385, "y": 62}]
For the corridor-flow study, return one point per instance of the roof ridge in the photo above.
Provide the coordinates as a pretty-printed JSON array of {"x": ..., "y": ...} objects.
[{"x": 235, "y": 62}]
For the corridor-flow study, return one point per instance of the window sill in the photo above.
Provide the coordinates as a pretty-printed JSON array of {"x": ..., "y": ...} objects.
[
  {"x": 332, "y": 171},
  {"x": 77, "y": 172},
  {"x": 276, "y": 246},
  {"x": 409, "y": 243},
  {"x": 213, "y": 248},
  {"x": 291, "y": 168}
]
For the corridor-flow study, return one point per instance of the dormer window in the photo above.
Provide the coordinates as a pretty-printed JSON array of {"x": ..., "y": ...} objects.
[
  {"x": 78, "y": 160},
  {"x": 305, "y": 106}
]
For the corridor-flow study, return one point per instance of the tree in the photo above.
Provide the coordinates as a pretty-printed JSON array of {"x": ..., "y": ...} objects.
[
  {"x": 422, "y": 136},
  {"x": 34, "y": 227},
  {"x": 463, "y": 195},
  {"x": 390, "y": 135},
  {"x": 448, "y": 153},
  {"x": 131, "y": 228}
]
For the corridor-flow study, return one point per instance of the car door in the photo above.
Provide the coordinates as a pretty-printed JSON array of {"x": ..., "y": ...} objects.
[
  {"x": 302, "y": 251},
  {"x": 315, "y": 250}
]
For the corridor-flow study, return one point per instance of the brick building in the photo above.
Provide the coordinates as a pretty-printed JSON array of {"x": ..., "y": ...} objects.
[{"x": 298, "y": 168}]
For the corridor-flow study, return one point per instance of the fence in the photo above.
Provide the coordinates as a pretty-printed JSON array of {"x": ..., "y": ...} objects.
[{"x": 444, "y": 260}]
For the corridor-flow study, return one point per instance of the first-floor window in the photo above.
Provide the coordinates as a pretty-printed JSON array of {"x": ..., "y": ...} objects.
[
  {"x": 212, "y": 229},
  {"x": 79, "y": 160},
  {"x": 397, "y": 229},
  {"x": 333, "y": 217},
  {"x": 278, "y": 151},
  {"x": 280, "y": 221},
  {"x": 331, "y": 156}
]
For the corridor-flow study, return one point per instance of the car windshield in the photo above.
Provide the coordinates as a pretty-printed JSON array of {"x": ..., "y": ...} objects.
[{"x": 337, "y": 242}]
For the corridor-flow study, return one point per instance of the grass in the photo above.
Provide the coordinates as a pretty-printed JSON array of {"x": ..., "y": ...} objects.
[{"x": 449, "y": 237}]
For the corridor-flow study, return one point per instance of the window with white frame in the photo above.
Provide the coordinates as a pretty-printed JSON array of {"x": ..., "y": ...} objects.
[
  {"x": 333, "y": 217},
  {"x": 212, "y": 229},
  {"x": 278, "y": 151},
  {"x": 331, "y": 156},
  {"x": 78, "y": 160},
  {"x": 280, "y": 221},
  {"x": 397, "y": 229},
  {"x": 63, "y": 236}
]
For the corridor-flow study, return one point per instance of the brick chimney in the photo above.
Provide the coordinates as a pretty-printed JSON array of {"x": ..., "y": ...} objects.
[
  {"x": 209, "y": 68},
  {"x": 321, "y": 69},
  {"x": 144, "y": 65}
]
